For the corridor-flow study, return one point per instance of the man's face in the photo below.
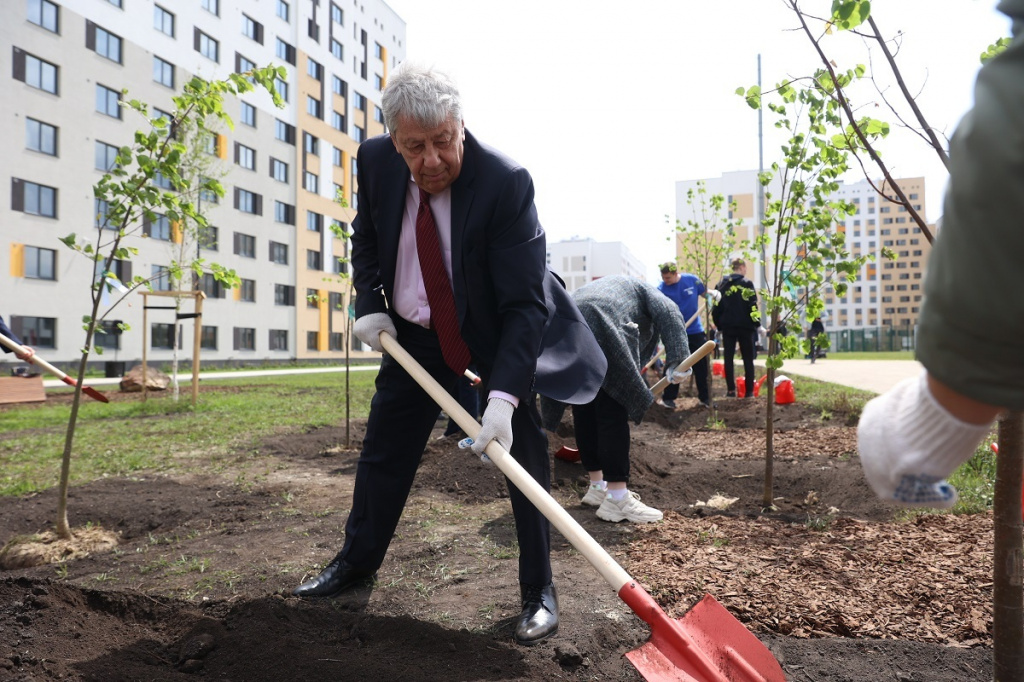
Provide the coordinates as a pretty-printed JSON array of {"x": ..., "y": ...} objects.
[
  {"x": 434, "y": 155},
  {"x": 670, "y": 277}
]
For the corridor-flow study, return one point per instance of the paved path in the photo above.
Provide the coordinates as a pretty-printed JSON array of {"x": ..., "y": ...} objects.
[{"x": 870, "y": 375}]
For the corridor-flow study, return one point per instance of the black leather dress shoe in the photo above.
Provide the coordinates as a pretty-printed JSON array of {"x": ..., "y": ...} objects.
[
  {"x": 539, "y": 619},
  {"x": 336, "y": 577}
]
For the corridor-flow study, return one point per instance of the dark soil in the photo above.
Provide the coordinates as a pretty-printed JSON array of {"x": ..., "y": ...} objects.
[{"x": 199, "y": 585}]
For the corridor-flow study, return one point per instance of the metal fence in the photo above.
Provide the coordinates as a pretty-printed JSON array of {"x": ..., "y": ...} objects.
[{"x": 877, "y": 339}]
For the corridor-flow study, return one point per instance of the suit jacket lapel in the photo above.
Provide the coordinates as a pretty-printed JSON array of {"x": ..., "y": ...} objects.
[
  {"x": 462, "y": 199},
  {"x": 389, "y": 230}
]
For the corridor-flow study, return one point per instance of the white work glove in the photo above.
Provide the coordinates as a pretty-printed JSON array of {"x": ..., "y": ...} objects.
[
  {"x": 368, "y": 328},
  {"x": 715, "y": 295},
  {"x": 495, "y": 425},
  {"x": 676, "y": 377},
  {"x": 909, "y": 444}
]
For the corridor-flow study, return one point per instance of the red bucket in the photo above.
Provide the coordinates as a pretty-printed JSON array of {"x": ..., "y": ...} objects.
[
  {"x": 718, "y": 368},
  {"x": 784, "y": 393},
  {"x": 741, "y": 387}
]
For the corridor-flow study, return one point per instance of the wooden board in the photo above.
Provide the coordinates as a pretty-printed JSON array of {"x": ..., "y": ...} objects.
[{"x": 22, "y": 390}]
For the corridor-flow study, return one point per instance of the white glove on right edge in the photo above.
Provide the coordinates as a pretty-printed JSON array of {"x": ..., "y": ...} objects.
[
  {"x": 676, "y": 377},
  {"x": 496, "y": 424},
  {"x": 909, "y": 444},
  {"x": 368, "y": 328},
  {"x": 715, "y": 294}
]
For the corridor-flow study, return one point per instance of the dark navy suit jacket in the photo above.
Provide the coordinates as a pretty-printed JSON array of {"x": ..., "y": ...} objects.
[
  {"x": 514, "y": 315},
  {"x": 5, "y": 330}
]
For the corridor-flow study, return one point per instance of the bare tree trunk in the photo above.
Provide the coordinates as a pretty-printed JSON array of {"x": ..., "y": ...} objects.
[
  {"x": 769, "y": 428},
  {"x": 348, "y": 369},
  {"x": 1008, "y": 574}
]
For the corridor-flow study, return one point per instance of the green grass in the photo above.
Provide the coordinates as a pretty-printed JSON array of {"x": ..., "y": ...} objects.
[
  {"x": 871, "y": 355},
  {"x": 975, "y": 480},
  {"x": 119, "y": 438},
  {"x": 824, "y": 397}
]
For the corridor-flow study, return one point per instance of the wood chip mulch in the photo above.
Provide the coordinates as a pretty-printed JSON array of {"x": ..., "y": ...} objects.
[{"x": 927, "y": 580}]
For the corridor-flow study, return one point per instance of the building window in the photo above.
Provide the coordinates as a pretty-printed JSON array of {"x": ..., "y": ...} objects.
[
  {"x": 207, "y": 46},
  {"x": 102, "y": 42},
  {"x": 245, "y": 338},
  {"x": 106, "y": 156},
  {"x": 378, "y": 82},
  {"x": 108, "y": 335},
  {"x": 243, "y": 65},
  {"x": 314, "y": 222},
  {"x": 108, "y": 101},
  {"x": 283, "y": 10},
  {"x": 339, "y": 87},
  {"x": 314, "y": 260},
  {"x": 40, "y": 137},
  {"x": 359, "y": 102},
  {"x": 278, "y": 339},
  {"x": 245, "y": 245},
  {"x": 208, "y": 338},
  {"x": 212, "y": 6},
  {"x": 163, "y": 20},
  {"x": 378, "y": 114},
  {"x": 285, "y": 52},
  {"x": 44, "y": 13},
  {"x": 279, "y": 253},
  {"x": 33, "y": 198},
  {"x": 35, "y": 72},
  {"x": 284, "y": 213},
  {"x": 311, "y": 143},
  {"x": 247, "y": 290},
  {"x": 102, "y": 219},
  {"x": 248, "y": 202},
  {"x": 314, "y": 107},
  {"x": 209, "y": 285},
  {"x": 282, "y": 88},
  {"x": 358, "y": 134},
  {"x": 252, "y": 29},
  {"x": 209, "y": 238},
  {"x": 248, "y": 115},
  {"x": 278, "y": 170},
  {"x": 310, "y": 182},
  {"x": 337, "y": 50},
  {"x": 338, "y": 121},
  {"x": 312, "y": 341},
  {"x": 38, "y": 332},
  {"x": 285, "y": 132},
  {"x": 160, "y": 278},
  {"x": 40, "y": 263},
  {"x": 338, "y": 157},
  {"x": 284, "y": 294},
  {"x": 162, "y": 335},
  {"x": 245, "y": 156},
  {"x": 314, "y": 69},
  {"x": 163, "y": 72},
  {"x": 160, "y": 228},
  {"x": 337, "y": 15}
]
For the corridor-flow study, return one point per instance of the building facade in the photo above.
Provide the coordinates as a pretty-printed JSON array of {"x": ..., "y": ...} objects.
[
  {"x": 578, "y": 261},
  {"x": 289, "y": 173},
  {"x": 886, "y": 293}
]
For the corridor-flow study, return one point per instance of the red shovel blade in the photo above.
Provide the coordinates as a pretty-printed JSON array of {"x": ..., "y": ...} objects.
[
  {"x": 707, "y": 644},
  {"x": 94, "y": 394},
  {"x": 568, "y": 454}
]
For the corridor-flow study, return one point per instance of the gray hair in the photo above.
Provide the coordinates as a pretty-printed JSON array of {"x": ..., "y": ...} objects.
[{"x": 421, "y": 93}]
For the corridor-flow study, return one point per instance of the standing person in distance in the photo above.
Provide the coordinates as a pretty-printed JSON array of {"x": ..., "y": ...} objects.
[
  {"x": 449, "y": 258},
  {"x": 736, "y": 318},
  {"x": 685, "y": 291},
  {"x": 817, "y": 327}
]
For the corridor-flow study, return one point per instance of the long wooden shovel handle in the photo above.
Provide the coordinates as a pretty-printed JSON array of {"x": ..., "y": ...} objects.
[
  {"x": 559, "y": 518},
  {"x": 36, "y": 360},
  {"x": 686, "y": 364}
]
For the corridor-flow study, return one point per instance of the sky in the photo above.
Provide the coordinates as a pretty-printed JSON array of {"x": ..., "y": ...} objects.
[{"x": 608, "y": 105}]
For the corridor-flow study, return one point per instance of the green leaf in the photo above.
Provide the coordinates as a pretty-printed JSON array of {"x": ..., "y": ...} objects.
[{"x": 848, "y": 14}]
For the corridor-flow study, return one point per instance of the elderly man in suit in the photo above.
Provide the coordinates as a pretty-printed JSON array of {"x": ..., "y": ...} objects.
[{"x": 448, "y": 256}]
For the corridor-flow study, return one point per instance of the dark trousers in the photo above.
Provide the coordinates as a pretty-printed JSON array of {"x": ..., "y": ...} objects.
[
  {"x": 700, "y": 371},
  {"x": 602, "y": 434},
  {"x": 746, "y": 341},
  {"x": 469, "y": 399},
  {"x": 402, "y": 416}
]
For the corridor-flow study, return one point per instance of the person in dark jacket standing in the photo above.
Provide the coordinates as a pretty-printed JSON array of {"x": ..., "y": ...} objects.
[
  {"x": 736, "y": 317},
  {"x": 817, "y": 327}
]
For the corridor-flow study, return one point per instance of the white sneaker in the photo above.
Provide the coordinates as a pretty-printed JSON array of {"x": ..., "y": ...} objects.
[
  {"x": 629, "y": 508},
  {"x": 595, "y": 496}
]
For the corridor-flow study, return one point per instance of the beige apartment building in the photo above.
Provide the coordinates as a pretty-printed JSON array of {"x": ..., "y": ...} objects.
[
  {"x": 886, "y": 293},
  {"x": 283, "y": 170}
]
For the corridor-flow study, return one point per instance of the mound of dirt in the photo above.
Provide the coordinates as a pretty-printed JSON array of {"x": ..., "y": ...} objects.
[{"x": 200, "y": 581}]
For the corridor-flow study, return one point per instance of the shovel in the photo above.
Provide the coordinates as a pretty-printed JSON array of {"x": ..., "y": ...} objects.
[
  {"x": 36, "y": 360},
  {"x": 706, "y": 645}
]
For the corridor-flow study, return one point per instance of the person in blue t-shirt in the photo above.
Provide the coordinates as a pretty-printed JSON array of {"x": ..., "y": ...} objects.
[{"x": 685, "y": 291}]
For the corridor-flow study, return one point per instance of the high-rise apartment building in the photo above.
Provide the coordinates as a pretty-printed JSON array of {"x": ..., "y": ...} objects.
[
  {"x": 281, "y": 169},
  {"x": 886, "y": 293},
  {"x": 578, "y": 261}
]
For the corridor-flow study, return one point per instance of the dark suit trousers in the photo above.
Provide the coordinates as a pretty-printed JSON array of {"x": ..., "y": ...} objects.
[
  {"x": 402, "y": 416},
  {"x": 746, "y": 341},
  {"x": 602, "y": 434},
  {"x": 700, "y": 371}
]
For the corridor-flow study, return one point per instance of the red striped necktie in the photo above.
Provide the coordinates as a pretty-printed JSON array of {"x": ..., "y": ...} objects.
[{"x": 439, "y": 289}]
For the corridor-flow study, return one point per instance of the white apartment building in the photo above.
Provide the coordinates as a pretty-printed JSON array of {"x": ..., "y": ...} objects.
[
  {"x": 578, "y": 261},
  {"x": 281, "y": 168},
  {"x": 886, "y": 293}
]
